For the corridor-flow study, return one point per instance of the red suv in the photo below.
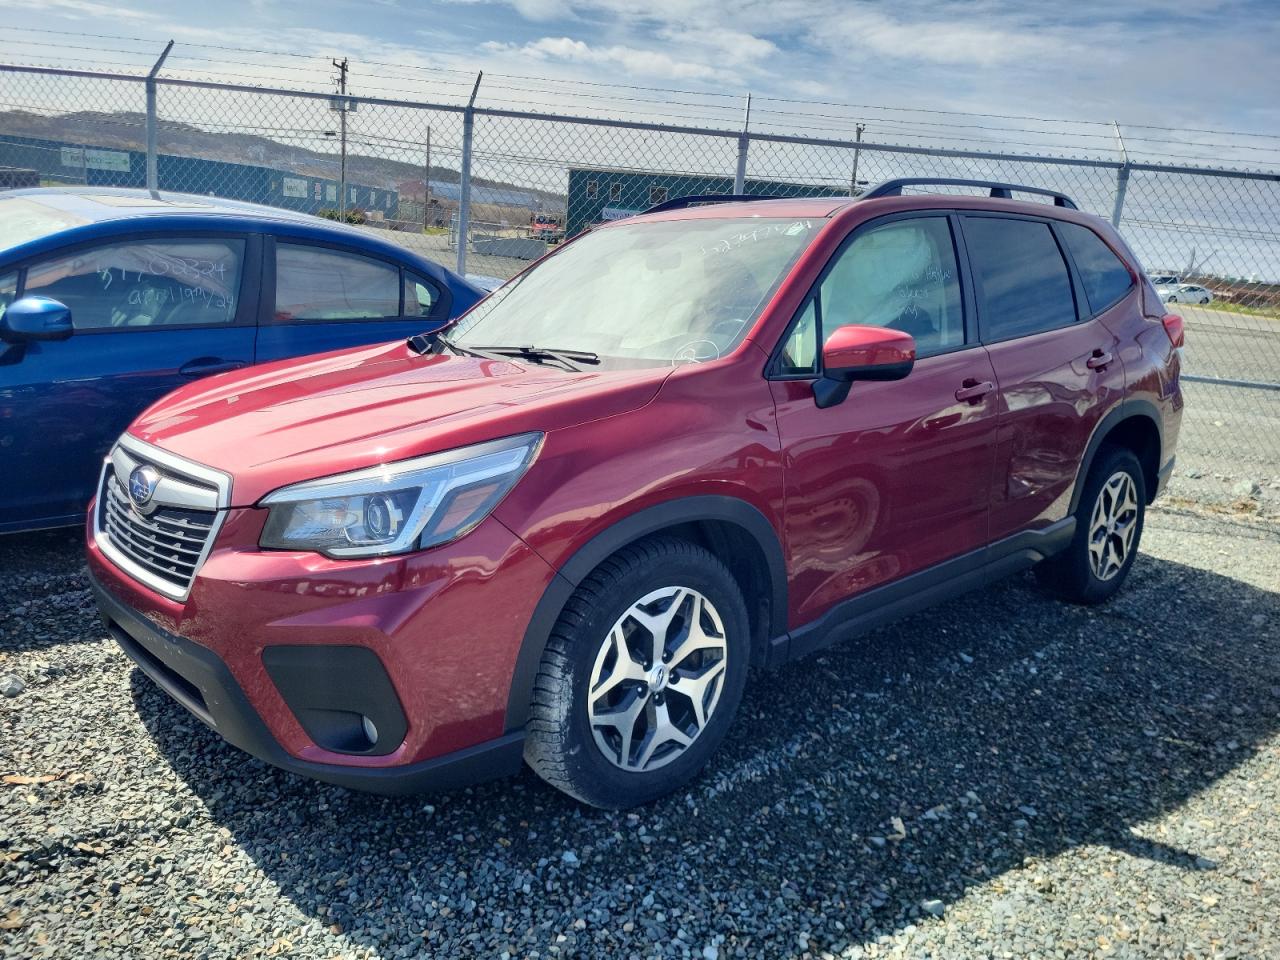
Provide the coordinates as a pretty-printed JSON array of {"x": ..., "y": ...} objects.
[{"x": 703, "y": 439}]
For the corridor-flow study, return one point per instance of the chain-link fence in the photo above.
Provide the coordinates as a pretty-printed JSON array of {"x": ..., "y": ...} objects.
[{"x": 486, "y": 191}]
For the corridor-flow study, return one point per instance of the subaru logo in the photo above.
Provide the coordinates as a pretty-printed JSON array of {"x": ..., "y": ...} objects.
[{"x": 142, "y": 484}]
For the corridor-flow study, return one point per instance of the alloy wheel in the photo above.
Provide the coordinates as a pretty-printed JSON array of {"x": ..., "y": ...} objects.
[
  {"x": 657, "y": 678},
  {"x": 1112, "y": 526}
]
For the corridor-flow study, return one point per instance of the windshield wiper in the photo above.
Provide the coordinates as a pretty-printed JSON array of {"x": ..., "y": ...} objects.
[
  {"x": 539, "y": 354},
  {"x": 438, "y": 343}
]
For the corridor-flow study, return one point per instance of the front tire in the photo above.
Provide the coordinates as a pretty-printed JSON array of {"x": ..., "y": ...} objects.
[
  {"x": 641, "y": 675},
  {"x": 1109, "y": 521}
]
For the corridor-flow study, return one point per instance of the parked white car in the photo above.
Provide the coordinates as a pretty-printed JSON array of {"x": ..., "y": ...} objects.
[{"x": 1184, "y": 293}]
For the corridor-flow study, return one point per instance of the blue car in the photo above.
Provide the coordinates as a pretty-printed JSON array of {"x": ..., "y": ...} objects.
[{"x": 109, "y": 299}]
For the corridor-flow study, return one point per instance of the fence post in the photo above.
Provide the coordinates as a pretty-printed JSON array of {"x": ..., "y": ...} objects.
[
  {"x": 464, "y": 177},
  {"x": 744, "y": 143},
  {"x": 1122, "y": 178},
  {"x": 153, "y": 166}
]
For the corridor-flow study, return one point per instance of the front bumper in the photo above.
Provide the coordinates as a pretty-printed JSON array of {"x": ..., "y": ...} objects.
[{"x": 199, "y": 680}]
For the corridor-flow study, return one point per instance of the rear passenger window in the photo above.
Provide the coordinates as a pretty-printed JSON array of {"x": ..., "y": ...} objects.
[
  {"x": 315, "y": 283},
  {"x": 420, "y": 296},
  {"x": 1105, "y": 277},
  {"x": 1022, "y": 281}
]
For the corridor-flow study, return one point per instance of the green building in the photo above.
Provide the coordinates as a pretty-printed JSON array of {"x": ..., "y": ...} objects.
[{"x": 597, "y": 194}]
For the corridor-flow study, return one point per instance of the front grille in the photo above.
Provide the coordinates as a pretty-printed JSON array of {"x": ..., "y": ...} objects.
[
  {"x": 169, "y": 542},
  {"x": 163, "y": 541}
]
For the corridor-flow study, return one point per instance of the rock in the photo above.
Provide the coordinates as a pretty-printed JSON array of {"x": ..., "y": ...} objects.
[
  {"x": 569, "y": 858},
  {"x": 1247, "y": 488},
  {"x": 710, "y": 952},
  {"x": 11, "y": 685},
  {"x": 935, "y": 908}
]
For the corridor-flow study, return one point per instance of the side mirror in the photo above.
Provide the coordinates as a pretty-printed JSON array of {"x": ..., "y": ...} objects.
[
  {"x": 856, "y": 352},
  {"x": 35, "y": 318}
]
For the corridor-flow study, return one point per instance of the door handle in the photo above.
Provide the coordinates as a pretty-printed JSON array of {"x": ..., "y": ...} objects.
[
  {"x": 204, "y": 366},
  {"x": 974, "y": 391},
  {"x": 1099, "y": 360}
]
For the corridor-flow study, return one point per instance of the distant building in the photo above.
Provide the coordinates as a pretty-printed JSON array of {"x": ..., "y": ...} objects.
[
  {"x": 597, "y": 194},
  {"x": 16, "y": 178},
  {"x": 105, "y": 167}
]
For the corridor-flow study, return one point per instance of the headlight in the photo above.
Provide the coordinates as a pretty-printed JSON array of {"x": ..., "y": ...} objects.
[{"x": 397, "y": 507}]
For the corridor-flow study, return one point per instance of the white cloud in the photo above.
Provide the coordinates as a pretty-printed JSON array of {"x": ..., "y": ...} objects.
[
  {"x": 970, "y": 41},
  {"x": 635, "y": 61},
  {"x": 78, "y": 9}
]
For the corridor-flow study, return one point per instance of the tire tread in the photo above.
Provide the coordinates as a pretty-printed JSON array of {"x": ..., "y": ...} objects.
[{"x": 547, "y": 731}]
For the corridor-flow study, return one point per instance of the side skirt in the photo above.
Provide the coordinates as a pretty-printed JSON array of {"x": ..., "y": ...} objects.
[{"x": 918, "y": 591}]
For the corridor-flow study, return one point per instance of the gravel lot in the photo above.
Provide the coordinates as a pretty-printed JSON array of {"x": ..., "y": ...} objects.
[{"x": 1002, "y": 776}]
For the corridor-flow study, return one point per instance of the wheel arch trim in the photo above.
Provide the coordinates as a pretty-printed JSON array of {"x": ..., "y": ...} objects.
[
  {"x": 629, "y": 529},
  {"x": 1131, "y": 408}
]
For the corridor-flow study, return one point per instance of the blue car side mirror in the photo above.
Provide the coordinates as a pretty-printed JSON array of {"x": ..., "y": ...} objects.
[{"x": 35, "y": 318}]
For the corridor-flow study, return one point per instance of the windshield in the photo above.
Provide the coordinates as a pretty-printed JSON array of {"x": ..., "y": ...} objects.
[
  {"x": 644, "y": 294},
  {"x": 23, "y": 219}
]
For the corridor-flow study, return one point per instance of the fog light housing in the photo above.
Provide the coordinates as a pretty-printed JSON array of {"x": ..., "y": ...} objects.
[{"x": 340, "y": 694}]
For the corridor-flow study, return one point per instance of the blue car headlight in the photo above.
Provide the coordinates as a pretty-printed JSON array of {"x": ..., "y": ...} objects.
[{"x": 397, "y": 507}]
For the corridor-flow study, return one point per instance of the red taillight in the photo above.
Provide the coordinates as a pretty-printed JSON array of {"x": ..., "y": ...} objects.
[{"x": 1173, "y": 327}]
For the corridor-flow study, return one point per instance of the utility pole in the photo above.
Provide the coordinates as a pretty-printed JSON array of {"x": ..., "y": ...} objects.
[
  {"x": 426, "y": 185},
  {"x": 1122, "y": 176},
  {"x": 342, "y": 117},
  {"x": 464, "y": 177},
  {"x": 153, "y": 175},
  {"x": 853, "y": 179},
  {"x": 744, "y": 144}
]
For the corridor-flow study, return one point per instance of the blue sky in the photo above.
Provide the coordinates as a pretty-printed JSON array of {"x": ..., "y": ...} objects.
[{"x": 1204, "y": 64}]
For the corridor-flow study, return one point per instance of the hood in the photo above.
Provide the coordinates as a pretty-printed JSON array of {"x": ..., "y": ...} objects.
[{"x": 297, "y": 420}]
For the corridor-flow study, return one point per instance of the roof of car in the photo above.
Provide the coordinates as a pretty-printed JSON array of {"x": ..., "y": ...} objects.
[
  {"x": 788, "y": 207},
  {"x": 97, "y": 204},
  {"x": 819, "y": 207},
  {"x": 92, "y": 212}
]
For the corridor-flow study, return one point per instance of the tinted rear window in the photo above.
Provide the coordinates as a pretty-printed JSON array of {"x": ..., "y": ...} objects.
[
  {"x": 1104, "y": 276},
  {"x": 1023, "y": 284}
]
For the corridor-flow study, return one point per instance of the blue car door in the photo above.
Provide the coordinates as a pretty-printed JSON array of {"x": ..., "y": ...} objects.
[
  {"x": 325, "y": 297},
  {"x": 149, "y": 315}
]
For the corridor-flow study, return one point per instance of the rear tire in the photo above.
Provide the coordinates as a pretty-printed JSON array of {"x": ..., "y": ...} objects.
[
  {"x": 641, "y": 675},
  {"x": 1109, "y": 521}
]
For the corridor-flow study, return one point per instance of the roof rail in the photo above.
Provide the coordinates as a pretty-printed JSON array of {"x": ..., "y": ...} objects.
[
  {"x": 679, "y": 203},
  {"x": 893, "y": 188}
]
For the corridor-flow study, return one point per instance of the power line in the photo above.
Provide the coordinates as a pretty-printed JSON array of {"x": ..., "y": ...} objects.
[{"x": 568, "y": 88}]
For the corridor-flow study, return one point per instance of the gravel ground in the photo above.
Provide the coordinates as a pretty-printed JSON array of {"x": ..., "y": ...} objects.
[{"x": 1003, "y": 776}]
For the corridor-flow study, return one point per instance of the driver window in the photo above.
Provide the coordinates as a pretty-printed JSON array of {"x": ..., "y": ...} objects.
[
  {"x": 901, "y": 275},
  {"x": 800, "y": 352},
  {"x": 8, "y": 290},
  {"x": 151, "y": 283}
]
